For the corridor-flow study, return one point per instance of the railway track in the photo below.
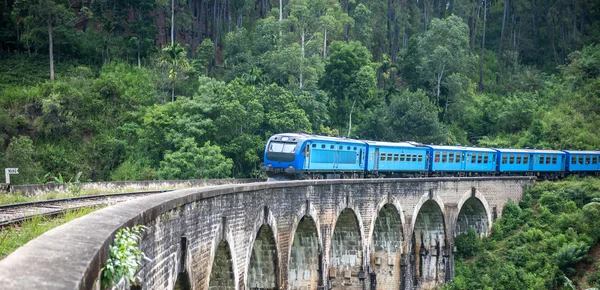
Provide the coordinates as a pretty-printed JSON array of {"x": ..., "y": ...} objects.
[{"x": 11, "y": 214}]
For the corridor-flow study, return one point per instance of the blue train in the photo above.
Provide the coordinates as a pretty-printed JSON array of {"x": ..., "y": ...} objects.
[{"x": 304, "y": 156}]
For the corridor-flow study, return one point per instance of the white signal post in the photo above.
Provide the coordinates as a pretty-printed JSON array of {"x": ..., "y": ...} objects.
[{"x": 8, "y": 172}]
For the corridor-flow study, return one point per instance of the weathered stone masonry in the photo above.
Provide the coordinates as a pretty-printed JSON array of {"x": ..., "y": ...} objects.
[{"x": 343, "y": 234}]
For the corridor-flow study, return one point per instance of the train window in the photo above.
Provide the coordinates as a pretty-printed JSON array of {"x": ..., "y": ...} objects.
[
  {"x": 554, "y": 159},
  {"x": 437, "y": 157},
  {"x": 580, "y": 159},
  {"x": 382, "y": 157},
  {"x": 541, "y": 159},
  {"x": 314, "y": 146},
  {"x": 396, "y": 157},
  {"x": 525, "y": 159},
  {"x": 420, "y": 158},
  {"x": 389, "y": 157},
  {"x": 451, "y": 157},
  {"x": 519, "y": 158},
  {"x": 331, "y": 147},
  {"x": 457, "y": 159},
  {"x": 504, "y": 158},
  {"x": 341, "y": 147},
  {"x": 473, "y": 157},
  {"x": 414, "y": 158},
  {"x": 587, "y": 160},
  {"x": 323, "y": 146},
  {"x": 354, "y": 148},
  {"x": 444, "y": 157},
  {"x": 479, "y": 157},
  {"x": 486, "y": 158},
  {"x": 401, "y": 157},
  {"x": 573, "y": 160},
  {"x": 595, "y": 160},
  {"x": 511, "y": 160},
  {"x": 282, "y": 147}
]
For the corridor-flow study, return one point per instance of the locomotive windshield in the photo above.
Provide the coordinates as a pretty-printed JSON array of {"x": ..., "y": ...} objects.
[{"x": 282, "y": 147}]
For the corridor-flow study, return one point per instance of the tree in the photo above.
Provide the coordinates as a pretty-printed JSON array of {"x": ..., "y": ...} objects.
[
  {"x": 445, "y": 50},
  {"x": 48, "y": 13},
  {"x": 191, "y": 162},
  {"x": 348, "y": 79},
  {"x": 204, "y": 56},
  {"x": 21, "y": 153},
  {"x": 174, "y": 58}
]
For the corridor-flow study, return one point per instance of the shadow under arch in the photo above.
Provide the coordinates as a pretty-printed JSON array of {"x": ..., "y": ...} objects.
[
  {"x": 429, "y": 241},
  {"x": 222, "y": 276},
  {"x": 305, "y": 260},
  {"x": 263, "y": 268},
  {"x": 386, "y": 248},
  {"x": 346, "y": 252},
  {"x": 473, "y": 212}
]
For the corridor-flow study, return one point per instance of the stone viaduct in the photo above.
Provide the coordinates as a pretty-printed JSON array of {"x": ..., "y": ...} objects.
[{"x": 305, "y": 235}]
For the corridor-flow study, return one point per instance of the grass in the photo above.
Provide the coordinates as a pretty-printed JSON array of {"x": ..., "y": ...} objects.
[{"x": 12, "y": 238}]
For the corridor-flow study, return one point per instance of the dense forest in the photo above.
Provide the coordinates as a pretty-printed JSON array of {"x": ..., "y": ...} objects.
[
  {"x": 157, "y": 89},
  {"x": 549, "y": 240}
]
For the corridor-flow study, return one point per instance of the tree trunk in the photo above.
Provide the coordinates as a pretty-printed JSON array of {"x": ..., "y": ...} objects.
[
  {"x": 475, "y": 25},
  {"x": 482, "y": 46},
  {"x": 324, "y": 43},
  {"x": 50, "y": 45},
  {"x": 389, "y": 25},
  {"x": 172, "y": 22},
  {"x": 439, "y": 83},
  {"x": 173, "y": 91},
  {"x": 506, "y": 3},
  {"x": 350, "y": 118},
  {"x": 302, "y": 58},
  {"x": 550, "y": 34},
  {"x": 139, "y": 59},
  {"x": 346, "y": 25}
]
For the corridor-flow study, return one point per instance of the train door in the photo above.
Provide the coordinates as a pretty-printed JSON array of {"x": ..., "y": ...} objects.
[
  {"x": 531, "y": 161},
  {"x": 306, "y": 154},
  {"x": 336, "y": 155},
  {"x": 360, "y": 157},
  {"x": 376, "y": 161}
]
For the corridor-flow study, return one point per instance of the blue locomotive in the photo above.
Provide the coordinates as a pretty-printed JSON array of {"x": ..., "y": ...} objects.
[{"x": 304, "y": 156}]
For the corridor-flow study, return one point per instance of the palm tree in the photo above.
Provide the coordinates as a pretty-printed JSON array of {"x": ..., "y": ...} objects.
[{"x": 174, "y": 58}]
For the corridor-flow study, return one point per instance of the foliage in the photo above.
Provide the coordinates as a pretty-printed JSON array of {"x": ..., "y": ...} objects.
[
  {"x": 125, "y": 257},
  {"x": 538, "y": 244},
  {"x": 191, "y": 162},
  {"x": 468, "y": 245}
]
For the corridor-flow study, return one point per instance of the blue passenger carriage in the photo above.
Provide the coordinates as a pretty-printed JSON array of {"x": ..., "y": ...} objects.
[
  {"x": 301, "y": 156},
  {"x": 582, "y": 162},
  {"x": 547, "y": 163},
  {"x": 466, "y": 160},
  {"x": 397, "y": 159}
]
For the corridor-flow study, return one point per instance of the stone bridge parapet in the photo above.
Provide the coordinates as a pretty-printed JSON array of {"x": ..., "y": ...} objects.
[{"x": 306, "y": 235}]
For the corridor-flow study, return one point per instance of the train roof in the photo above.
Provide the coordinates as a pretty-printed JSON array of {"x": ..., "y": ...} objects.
[
  {"x": 303, "y": 136},
  {"x": 539, "y": 151},
  {"x": 391, "y": 144},
  {"x": 460, "y": 148},
  {"x": 582, "y": 152}
]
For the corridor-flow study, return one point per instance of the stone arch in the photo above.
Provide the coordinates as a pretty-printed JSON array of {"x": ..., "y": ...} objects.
[
  {"x": 305, "y": 256},
  {"x": 474, "y": 211},
  {"x": 386, "y": 248},
  {"x": 263, "y": 271},
  {"x": 429, "y": 242},
  {"x": 346, "y": 252},
  {"x": 222, "y": 275}
]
